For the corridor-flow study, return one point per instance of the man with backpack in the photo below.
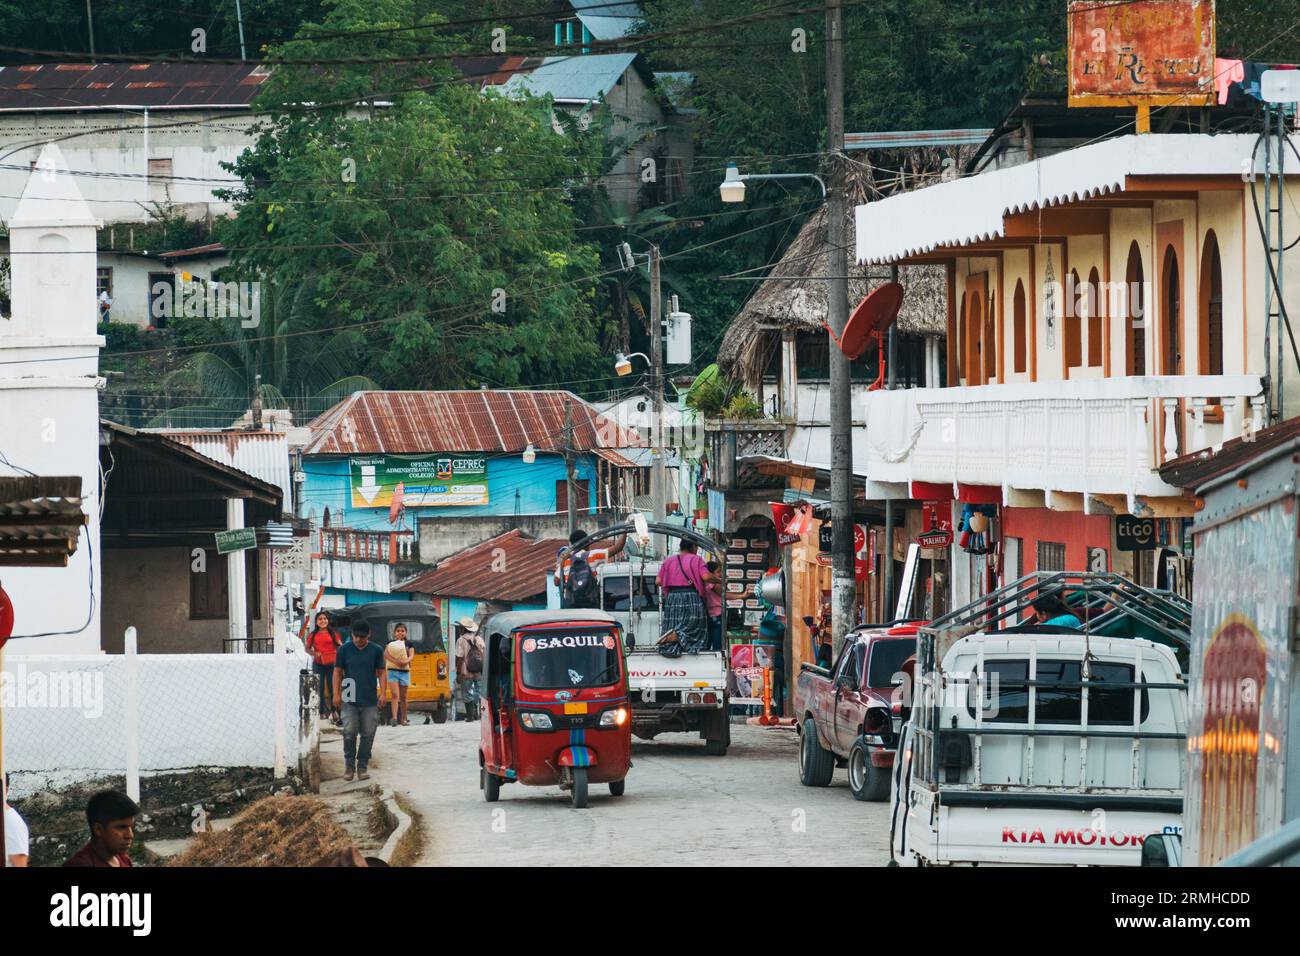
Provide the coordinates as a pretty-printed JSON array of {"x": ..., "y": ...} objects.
[
  {"x": 469, "y": 665},
  {"x": 578, "y": 585}
]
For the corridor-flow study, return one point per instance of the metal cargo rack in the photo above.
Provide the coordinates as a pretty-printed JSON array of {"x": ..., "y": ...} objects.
[{"x": 1109, "y": 606}]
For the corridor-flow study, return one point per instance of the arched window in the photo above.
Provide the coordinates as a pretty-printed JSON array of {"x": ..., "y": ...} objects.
[
  {"x": 1211, "y": 308},
  {"x": 1075, "y": 303},
  {"x": 1018, "y": 331},
  {"x": 1171, "y": 319},
  {"x": 1135, "y": 330},
  {"x": 1095, "y": 308}
]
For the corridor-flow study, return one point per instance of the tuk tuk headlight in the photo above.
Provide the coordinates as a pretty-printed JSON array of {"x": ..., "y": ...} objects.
[
  {"x": 616, "y": 717},
  {"x": 536, "y": 720}
]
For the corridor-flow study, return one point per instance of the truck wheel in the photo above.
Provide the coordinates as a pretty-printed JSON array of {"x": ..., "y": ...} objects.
[
  {"x": 616, "y": 787},
  {"x": 715, "y": 748},
  {"x": 440, "y": 714},
  {"x": 716, "y": 731},
  {"x": 578, "y": 795},
  {"x": 816, "y": 763},
  {"x": 491, "y": 786},
  {"x": 866, "y": 781}
]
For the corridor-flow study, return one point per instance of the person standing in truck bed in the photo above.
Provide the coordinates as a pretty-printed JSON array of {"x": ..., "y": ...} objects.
[{"x": 683, "y": 579}]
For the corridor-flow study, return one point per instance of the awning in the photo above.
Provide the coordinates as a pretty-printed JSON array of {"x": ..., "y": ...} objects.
[{"x": 972, "y": 209}]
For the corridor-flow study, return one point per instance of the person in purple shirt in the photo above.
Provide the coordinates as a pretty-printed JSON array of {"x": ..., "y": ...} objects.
[{"x": 683, "y": 580}]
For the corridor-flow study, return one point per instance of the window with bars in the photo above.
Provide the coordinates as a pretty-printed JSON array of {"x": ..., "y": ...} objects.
[{"x": 1051, "y": 556}]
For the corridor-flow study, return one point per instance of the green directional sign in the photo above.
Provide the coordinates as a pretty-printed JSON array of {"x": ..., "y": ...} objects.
[{"x": 240, "y": 539}]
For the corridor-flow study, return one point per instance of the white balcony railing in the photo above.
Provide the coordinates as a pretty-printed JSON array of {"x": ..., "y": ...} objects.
[{"x": 1094, "y": 437}]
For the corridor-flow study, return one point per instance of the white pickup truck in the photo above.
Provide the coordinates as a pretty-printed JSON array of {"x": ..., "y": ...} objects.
[
  {"x": 686, "y": 694},
  {"x": 1039, "y": 745}
]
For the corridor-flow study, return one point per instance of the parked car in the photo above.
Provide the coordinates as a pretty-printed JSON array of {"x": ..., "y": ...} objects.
[{"x": 845, "y": 714}]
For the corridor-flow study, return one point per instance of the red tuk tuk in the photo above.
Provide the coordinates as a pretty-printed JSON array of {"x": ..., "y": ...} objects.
[{"x": 555, "y": 703}]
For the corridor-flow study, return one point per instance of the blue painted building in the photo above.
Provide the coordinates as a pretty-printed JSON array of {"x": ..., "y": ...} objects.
[{"x": 379, "y": 463}]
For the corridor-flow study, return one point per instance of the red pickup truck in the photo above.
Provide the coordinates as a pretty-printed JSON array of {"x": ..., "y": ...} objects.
[{"x": 845, "y": 713}]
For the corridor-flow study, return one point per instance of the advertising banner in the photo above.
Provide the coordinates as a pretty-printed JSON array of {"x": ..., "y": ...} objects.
[{"x": 426, "y": 480}]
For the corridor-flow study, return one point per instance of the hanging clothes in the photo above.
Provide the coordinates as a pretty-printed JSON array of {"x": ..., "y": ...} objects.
[{"x": 1227, "y": 72}]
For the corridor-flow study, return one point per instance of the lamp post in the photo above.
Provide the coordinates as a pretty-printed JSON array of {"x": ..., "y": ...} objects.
[
  {"x": 732, "y": 187},
  {"x": 623, "y": 367}
]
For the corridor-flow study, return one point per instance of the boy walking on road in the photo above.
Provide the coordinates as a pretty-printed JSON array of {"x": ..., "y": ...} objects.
[{"x": 358, "y": 671}]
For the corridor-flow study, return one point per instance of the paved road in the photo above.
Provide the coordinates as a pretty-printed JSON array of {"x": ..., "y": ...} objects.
[{"x": 681, "y": 806}]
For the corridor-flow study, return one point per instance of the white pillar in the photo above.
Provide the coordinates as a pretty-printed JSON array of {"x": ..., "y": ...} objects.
[
  {"x": 280, "y": 674},
  {"x": 131, "y": 715},
  {"x": 1171, "y": 428},
  {"x": 237, "y": 581}
]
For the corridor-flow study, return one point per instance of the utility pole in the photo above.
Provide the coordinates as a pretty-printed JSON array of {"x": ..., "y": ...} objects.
[
  {"x": 658, "y": 481},
  {"x": 239, "y": 16},
  {"x": 90, "y": 26},
  {"x": 889, "y": 502},
  {"x": 842, "y": 587},
  {"x": 568, "y": 464}
]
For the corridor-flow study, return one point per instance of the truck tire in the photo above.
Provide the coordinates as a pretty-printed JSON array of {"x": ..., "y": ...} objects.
[
  {"x": 716, "y": 731},
  {"x": 440, "y": 714},
  {"x": 491, "y": 786},
  {"x": 578, "y": 795},
  {"x": 816, "y": 763},
  {"x": 866, "y": 781}
]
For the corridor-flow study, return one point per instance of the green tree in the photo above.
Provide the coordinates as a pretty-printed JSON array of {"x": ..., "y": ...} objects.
[{"x": 432, "y": 216}]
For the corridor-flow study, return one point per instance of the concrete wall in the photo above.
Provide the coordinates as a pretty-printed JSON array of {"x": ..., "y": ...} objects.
[
  {"x": 112, "y": 143},
  {"x": 66, "y": 715},
  {"x": 443, "y": 536},
  {"x": 149, "y": 589}
]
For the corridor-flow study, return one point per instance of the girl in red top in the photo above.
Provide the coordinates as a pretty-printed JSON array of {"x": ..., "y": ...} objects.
[{"x": 323, "y": 644}]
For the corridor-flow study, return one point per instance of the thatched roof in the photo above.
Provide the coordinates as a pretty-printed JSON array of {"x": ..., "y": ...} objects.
[{"x": 800, "y": 304}]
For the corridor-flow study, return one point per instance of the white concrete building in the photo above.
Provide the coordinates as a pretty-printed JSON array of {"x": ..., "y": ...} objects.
[{"x": 49, "y": 382}]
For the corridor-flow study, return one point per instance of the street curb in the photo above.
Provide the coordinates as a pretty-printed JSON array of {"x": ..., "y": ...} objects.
[{"x": 398, "y": 819}]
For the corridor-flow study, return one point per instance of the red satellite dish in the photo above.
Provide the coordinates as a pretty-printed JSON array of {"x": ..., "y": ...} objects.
[
  {"x": 873, "y": 315},
  {"x": 6, "y": 617}
]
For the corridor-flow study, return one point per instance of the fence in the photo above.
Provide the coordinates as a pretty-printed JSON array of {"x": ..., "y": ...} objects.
[{"x": 69, "y": 719}]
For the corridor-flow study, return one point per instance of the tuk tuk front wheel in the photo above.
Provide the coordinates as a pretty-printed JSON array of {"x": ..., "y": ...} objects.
[
  {"x": 616, "y": 787},
  {"x": 491, "y": 786},
  {"x": 578, "y": 792}
]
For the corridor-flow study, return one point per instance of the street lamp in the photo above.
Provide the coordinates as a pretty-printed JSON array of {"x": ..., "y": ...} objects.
[
  {"x": 623, "y": 363},
  {"x": 732, "y": 187}
]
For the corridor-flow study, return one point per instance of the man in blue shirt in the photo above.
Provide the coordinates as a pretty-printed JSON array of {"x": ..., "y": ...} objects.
[{"x": 358, "y": 671}]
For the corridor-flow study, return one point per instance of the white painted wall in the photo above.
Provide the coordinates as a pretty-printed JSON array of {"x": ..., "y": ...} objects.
[
  {"x": 111, "y": 143},
  {"x": 49, "y": 359}
]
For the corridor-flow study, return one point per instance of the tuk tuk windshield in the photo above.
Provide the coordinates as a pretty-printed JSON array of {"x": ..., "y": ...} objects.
[
  {"x": 550, "y": 660},
  {"x": 424, "y": 634}
]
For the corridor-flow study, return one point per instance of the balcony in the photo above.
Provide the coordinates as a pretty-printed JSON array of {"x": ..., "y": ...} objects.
[
  {"x": 1070, "y": 445},
  {"x": 729, "y": 441},
  {"x": 385, "y": 547}
]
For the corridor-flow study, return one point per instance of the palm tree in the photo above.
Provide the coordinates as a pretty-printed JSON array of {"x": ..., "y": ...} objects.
[{"x": 286, "y": 362}]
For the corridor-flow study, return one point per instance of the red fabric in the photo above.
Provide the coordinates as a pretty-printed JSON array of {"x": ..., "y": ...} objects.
[
  {"x": 86, "y": 856},
  {"x": 322, "y": 643}
]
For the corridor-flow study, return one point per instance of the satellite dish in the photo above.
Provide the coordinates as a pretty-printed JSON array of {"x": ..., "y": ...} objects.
[{"x": 873, "y": 315}]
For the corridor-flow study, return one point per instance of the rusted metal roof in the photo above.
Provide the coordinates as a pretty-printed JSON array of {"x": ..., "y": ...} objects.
[
  {"x": 1192, "y": 471},
  {"x": 466, "y": 421},
  {"x": 509, "y": 567},
  {"x": 72, "y": 86}
]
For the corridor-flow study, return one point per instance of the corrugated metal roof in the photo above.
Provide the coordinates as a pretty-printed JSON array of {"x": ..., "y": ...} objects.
[
  {"x": 461, "y": 421},
  {"x": 573, "y": 78},
  {"x": 262, "y": 454},
  {"x": 608, "y": 28},
  {"x": 477, "y": 572},
  {"x": 1199, "y": 468},
  {"x": 897, "y": 139},
  {"x": 49, "y": 86},
  {"x": 40, "y": 520}
]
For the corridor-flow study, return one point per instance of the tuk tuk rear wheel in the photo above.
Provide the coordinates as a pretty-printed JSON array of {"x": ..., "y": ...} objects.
[
  {"x": 578, "y": 793},
  {"x": 616, "y": 787},
  {"x": 491, "y": 787}
]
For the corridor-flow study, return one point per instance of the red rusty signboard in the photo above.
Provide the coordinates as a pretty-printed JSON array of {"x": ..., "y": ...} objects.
[{"x": 1143, "y": 53}]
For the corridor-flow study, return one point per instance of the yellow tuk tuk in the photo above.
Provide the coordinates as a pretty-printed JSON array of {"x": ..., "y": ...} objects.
[{"x": 430, "y": 690}]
